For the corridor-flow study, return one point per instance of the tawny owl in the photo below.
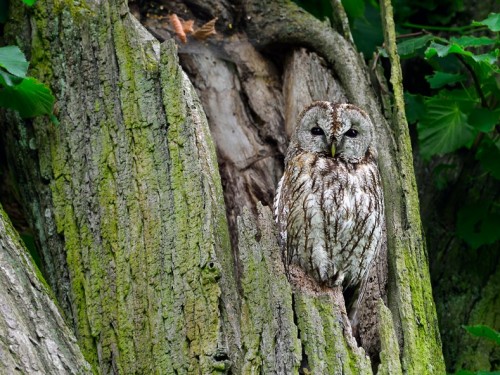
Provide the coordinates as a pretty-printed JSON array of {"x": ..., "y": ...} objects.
[{"x": 329, "y": 204}]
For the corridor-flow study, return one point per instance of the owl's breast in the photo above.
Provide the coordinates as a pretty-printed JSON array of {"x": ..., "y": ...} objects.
[{"x": 331, "y": 213}]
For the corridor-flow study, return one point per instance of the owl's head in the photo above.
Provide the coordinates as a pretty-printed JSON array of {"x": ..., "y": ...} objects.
[{"x": 335, "y": 130}]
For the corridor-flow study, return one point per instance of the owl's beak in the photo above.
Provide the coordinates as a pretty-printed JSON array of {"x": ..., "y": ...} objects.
[{"x": 333, "y": 149}]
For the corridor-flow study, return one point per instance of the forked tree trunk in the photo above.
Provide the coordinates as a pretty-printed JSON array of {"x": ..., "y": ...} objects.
[{"x": 158, "y": 266}]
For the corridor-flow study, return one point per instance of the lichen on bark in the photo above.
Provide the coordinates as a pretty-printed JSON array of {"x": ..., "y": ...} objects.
[
  {"x": 136, "y": 195},
  {"x": 421, "y": 346},
  {"x": 33, "y": 334},
  {"x": 133, "y": 219}
]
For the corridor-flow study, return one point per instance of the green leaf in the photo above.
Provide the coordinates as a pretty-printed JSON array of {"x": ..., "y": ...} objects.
[
  {"x": 444, "y": 128},
  {"x": 436, "y": 49},
  {"x": 7, "y": 79},
  {"x": 489, "y": 58},
  {"x": 493, "y": 22},
  {"x": 414, "y": 107},
  {"x": 13, "y": 60},
  {"x": 443, "y": 50},
  {"x": 472, "y": 41},
  {"x": 478, "y": 223},
  {"x": 488, "y": 155},
  {"x": 367, "y": 30},
  {"x": 29, "y": 2},
  {"x": 410, "y": 46},
  {"x": 484, "y": 331},
  {"x": 354, "y": 8},
  {"x": 467, "y": 99},
  {"x": 440, "y": 79},
  {"x": 484, "y": 120},
  {"x": 30, "y": 98}
]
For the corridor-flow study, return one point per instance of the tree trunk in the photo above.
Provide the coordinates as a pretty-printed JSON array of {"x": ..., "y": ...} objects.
[
  {"x": 153, "y": 237},
  {"x": 33, "y": 336}
]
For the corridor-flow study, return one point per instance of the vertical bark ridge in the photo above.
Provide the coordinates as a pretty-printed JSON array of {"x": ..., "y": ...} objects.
[
  {"x": 270, "y": 339},
  {"x": 135, "y": 211},
  {"x": 137, "y": 201},
  {"x": 412, "y": 293},
  {"x": 33, "y": 335}
]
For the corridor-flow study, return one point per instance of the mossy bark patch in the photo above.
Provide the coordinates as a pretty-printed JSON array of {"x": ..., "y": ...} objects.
[
  {"x": 130, "y": 215},
  {"x": 421, "y": 345},
  {"x": 34, "y": 336},
  {"x": 136, "y": 194}
]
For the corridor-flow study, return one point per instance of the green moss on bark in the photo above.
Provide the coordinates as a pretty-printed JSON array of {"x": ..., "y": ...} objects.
[
  {"x": 324, "y": 332},
  {"x": 421, "y": 352},
  {"x": 389, "y": 353},
  {"x": 137, "y": 204},
  {"x": 269, "y": 336},
  {"x": 189, "y": 140}
]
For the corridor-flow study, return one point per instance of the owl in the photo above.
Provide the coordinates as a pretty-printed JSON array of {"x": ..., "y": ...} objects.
[{"x": 329, "y": 203}]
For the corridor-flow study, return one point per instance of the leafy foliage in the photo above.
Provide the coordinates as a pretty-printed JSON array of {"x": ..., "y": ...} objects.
[
  {"x": 409, "y": 47},
  {"x": 13, "y": 61},
  {"x": 364, "y": 19},
  {"x": 452, "y": 119},
  {"x": 462, "y": 112},
  {"x": 467, "y": 372},
  {"x": 493, "y": 22},
  {"x": 444, "y": 126},
  {"x": 24, "y": 94},
  {"x": 484, "y": 331},
  {"x": 489, "y": 156},
  {"x": 367, "y": 28}
]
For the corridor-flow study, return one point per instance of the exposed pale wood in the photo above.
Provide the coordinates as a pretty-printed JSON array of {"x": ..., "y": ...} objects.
[
  {"x": 128, "y": 191},
  {"x": 307, "y": 78},
  {"x": 240, "y": 93}
]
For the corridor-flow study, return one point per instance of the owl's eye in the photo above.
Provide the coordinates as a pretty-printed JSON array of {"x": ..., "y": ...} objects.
[
  {"x": 317, "y": 131},
  {"x": 351, "y": 133}
]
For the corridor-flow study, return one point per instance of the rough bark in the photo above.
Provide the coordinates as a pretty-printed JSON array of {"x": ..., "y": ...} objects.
[
  {"x": 131, "y": 215},
  {"x": 33, "y": 335},
  {"x": 135, "y": 202},
  {"x": 409, "y": 261}
]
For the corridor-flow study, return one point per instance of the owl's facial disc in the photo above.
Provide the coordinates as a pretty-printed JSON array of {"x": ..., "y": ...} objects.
[
  {"x": 354, "y": 134},
  {"x": 314, "y": 131},
  {"x": 342, "y": 131}
]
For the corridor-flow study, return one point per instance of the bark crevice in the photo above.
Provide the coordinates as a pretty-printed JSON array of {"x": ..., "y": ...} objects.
[{"x": 138, "y": 216}]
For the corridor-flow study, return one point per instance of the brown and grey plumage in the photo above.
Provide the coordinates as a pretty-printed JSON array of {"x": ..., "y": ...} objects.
[{"x": 329, "y": 204}]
